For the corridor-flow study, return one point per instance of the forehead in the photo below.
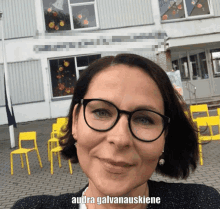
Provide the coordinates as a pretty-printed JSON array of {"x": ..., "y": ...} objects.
[{"x": 126, "y": 87}]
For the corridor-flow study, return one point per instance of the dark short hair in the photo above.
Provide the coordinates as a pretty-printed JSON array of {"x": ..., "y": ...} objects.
[{"x": 181, "y": 142}]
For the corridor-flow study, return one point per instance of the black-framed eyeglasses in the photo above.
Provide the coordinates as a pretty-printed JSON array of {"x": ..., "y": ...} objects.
[{"x": 145, "y": 125}]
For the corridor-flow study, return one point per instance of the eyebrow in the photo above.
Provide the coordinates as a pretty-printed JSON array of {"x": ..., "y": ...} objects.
[{"x": 147, "y": 107}]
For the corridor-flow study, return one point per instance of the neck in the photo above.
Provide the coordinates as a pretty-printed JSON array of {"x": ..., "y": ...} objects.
[{"x": 103, "y": 202}]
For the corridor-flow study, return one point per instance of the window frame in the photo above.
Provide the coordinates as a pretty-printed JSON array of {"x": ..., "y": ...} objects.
[
  {"x": 190, "y": 17},
  {"x": 71, "y": 19},
  {"x": 77, "y": 72},
  {"x": 190, "y": 70},
  {"x": 212, "y": 64}
]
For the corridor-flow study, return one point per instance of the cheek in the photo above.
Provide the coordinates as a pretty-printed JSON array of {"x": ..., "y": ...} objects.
[
  {"x": 87, "y": 141},
  {"x": 150, "y": 152}
]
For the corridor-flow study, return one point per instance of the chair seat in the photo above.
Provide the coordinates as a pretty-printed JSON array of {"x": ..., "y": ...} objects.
[
  {"x": 57, "y": 149},
  {"x": 21, "y": 151},
  {"x": 53, "y": 140},
  {"x": 206, "y": 138}
]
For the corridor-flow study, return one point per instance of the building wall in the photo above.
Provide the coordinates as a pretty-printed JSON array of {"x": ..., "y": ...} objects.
[
  {"x": 19, "y": 18},
  {"x": 123, "y": 13},
  {"x": 25, "y": 82},
  {"x": 111, "y": 14},
  {"x": 192, "y": 28},
  {"x": 139, "y": 14},
  {"x": 216, "y": 7}
]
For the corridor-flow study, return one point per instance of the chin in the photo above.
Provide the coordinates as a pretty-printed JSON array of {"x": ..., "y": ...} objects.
[
  {"x": 115, "y": 188},
  {"x": 114, "y": 191}
]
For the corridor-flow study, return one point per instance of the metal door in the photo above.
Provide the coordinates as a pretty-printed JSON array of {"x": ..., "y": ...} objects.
[{"x": 193, "y": 66}]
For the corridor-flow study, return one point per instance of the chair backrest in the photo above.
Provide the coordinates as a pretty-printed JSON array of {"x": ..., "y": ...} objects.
[
  {"x": 55, "y": 127},
  {"x": 62, "y": 120},
  {"x": 209, "y": 121},
  {"x": 186, "y": 113},
  {"x": 218, "y": 111},
  {"x": 199, "y": 108},
  {"x": 27, "y": 136}
]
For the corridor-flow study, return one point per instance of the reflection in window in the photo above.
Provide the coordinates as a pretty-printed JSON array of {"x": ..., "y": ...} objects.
[
  {"x": 197, "y": 7},
  {"x": 83, "y": 16},
  {"x": 86, "y": 60},
  {"x": 175, "y": 9},
  {"x": 58, "y": 12},
  {"x": 63, "y": 76},
  {"x": 63, "y": 73},
  {"x": 195, "y": 67},
  {"x": 171, "y": 9},
  {"x": 215, "y": 57},
  {"x": 184, "y": 69},
  {"x": 56, "y": 15},
  {"x": 203, "y": 65},
  {"x": 175, "y": 65},
  {"x": 83, "y": 13}
]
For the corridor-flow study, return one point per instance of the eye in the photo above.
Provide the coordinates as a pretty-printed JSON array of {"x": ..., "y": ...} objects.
[
  {"x": 101, "y": 113},
  {"x": 143, "y": 120}
]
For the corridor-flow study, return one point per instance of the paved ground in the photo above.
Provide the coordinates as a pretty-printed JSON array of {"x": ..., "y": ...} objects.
[{"x": 41, "y": 181}]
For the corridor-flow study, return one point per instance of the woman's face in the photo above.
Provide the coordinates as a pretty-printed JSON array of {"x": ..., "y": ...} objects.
[{"x": 127, "y": 88}]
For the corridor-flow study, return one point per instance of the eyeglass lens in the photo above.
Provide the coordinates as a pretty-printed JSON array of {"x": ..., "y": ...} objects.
[{"x": 145, "y": 125}]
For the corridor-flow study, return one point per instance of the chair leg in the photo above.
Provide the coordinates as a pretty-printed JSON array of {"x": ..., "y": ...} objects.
[
  {"x": 51, "y": 162},
  {"x": 22, "y": 162},
  {"x": 54, "y": 145},
  {"x": 58, "y": 156},
  {"x": 48, "y": 150},
  {"x": 11, "y": 158},
  {"x": 38, "y": 156},
  {"x": 28, "y": 167},
  {"x": 70, "y": 166},
  {"x": 200, "y": 154}
]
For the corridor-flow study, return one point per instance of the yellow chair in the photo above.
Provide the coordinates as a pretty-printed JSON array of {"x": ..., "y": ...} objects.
[
  {"x": 56, "y": 132},
  {"x": 57, "y": 150},
  {"x": 218, "y": 111},
  {"x": 62, "y": 121},
  {"x": 25, "y": 136},
  {"x": 198, "y": 108},
  {"x": 53, "y": 141},
  {"x": 186, "y": 113},
  {"x": 210, "y": 121}
]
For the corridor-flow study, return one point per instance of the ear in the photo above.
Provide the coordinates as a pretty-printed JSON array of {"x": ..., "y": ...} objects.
[{"x": 74, "y": 122}]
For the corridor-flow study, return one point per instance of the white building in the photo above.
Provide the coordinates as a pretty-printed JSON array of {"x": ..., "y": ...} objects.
[{"x": 49, "y": 42}]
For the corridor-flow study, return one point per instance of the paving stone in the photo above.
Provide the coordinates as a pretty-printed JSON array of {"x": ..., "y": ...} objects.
[{"x": 19, "y": 185}]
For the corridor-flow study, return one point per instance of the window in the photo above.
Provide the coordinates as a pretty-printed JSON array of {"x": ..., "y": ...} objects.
[
  {"x": 215, "y": 57},
  {"x": 176, "y": 9},
  {"x": 65, "y": 72},
  {"x": 69, "y": 15},
  {"x": 179, "y": 62},
  {"x": 184, "y": 69},
  {"x": 203, "y": 65},
  {"x": 196, "y": 64}
]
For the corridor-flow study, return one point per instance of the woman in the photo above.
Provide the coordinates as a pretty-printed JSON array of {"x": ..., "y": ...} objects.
[{"x": 125, "y": 122}]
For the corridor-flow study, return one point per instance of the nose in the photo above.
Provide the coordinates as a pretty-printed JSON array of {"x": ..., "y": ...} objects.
[{"x": 120, "y": 134}]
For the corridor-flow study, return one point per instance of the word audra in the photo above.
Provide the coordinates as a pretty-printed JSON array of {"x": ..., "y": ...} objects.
[{"x": 117, "y": 200}]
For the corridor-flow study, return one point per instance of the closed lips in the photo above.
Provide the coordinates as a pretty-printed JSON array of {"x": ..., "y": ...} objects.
[{"x": 118, "y": 163}]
